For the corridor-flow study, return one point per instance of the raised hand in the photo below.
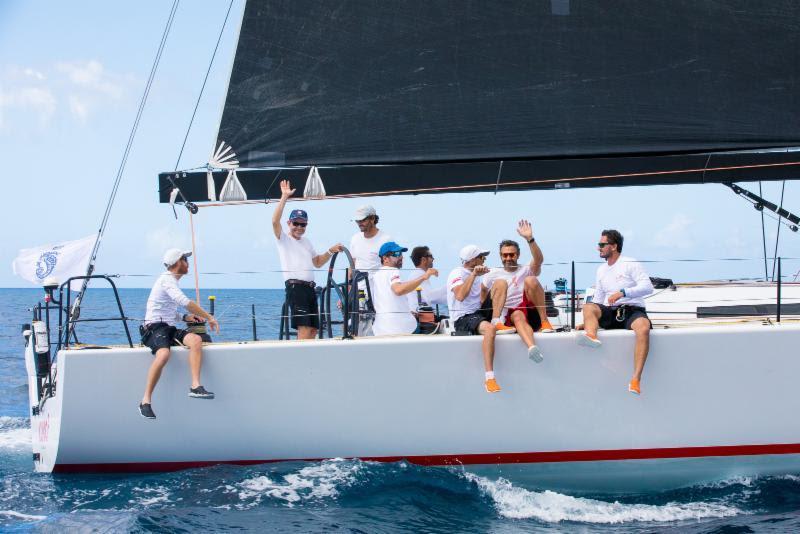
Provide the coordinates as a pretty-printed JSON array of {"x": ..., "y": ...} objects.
[
  {"x": 525, "y": 230},
  {"x": 286, "y": 189}
]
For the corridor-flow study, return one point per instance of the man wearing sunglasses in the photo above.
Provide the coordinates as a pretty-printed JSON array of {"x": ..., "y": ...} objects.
[
  {"x": 518, "y": 288},
  {"x": 467, "y": 312},
  {"x": 298, "y": 261},
  {"x": 618, "y": 302},
  {"x": 392, "y": 310}
]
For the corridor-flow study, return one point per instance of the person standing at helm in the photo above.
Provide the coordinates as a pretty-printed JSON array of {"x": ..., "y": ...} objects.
[
  {"x": 364, "y": 247},
  {"x": 160, "y": 332},
  {"x": 298, "y": 261}
]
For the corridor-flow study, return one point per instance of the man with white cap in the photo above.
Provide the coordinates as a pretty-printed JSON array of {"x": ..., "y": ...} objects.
[
  {"x": 468, "y": 313},
  {"x": 392, "y": 309},
  {"x": 160, "y": 332},
  {"x": 364, "y": 247},
  {"x": 298, "y": 261}
]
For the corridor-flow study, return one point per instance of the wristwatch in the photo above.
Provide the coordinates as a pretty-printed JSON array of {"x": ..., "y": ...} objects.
[
  {"x": 531, "y": 240},
  {"x": 623, "y": 292}
]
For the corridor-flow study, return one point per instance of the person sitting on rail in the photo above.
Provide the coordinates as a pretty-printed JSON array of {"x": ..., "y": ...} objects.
[
  {"x": 392, "y": 310},
  {"x": 159, "y": 332},
  {"x": 422, "y": 259},
  {"x": 618, "y": 302},
  {"x": 468, "y": 313},
  {"x": 298, "y": 261},
  {"x": 519, "y": 290}
]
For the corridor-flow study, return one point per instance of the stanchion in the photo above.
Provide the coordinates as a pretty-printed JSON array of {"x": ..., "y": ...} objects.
[
  {"x": 211, "y": 300},
  {"x": 253, "y": 317},
  {"x": 572, "y": 299},
  {"x": 778, "y": 308}
]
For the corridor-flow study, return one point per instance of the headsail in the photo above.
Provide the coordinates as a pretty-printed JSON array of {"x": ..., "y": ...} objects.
[{"x": 464, "y": 85}]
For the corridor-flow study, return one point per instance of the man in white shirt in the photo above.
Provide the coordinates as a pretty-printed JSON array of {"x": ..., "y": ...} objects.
[
  {"x": 364, "y": 247},
  {"x": 298, "y": 261},
  {"x": 159, "y": 332},
  {"x": 392, "y": 311},
  {"x": 522, "y": 294},
  {"x": 468, "y": 313},
  {"x": 618, "y": 302},
  {"x": 422, "y": 259}
]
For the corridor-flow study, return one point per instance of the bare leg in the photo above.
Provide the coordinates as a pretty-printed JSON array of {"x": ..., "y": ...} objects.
[
  {"x": 535, "y": 295},
  {"x": 591, "y": 319},
  {"x": 641, "y": 328},
  {"x": 195, "y": 345},
  {"x": 154, "y": 373},
  {"x": 499, "y": 291},
  {"x": 306, "y": 332},
  {"x": 488, "y": 332},
  {"x": 523, "y": 328}
]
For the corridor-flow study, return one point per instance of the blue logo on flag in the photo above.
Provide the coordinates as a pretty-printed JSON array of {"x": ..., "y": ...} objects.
[{"x": 46, "y": 264}]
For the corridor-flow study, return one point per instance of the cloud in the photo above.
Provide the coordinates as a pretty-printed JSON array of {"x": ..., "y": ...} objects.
[
  {"x": 31, "y": 101},
  {"x": 676, "y": 235},
  {"x": 91, "y": 75}
]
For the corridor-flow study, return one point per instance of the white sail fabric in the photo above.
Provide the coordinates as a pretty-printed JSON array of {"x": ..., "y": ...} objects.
[
  {"x": 314, "y": 186},
  {"x": 232, "y": 189},
  {"x": 224, "y": 158},
  {"x": 60, "y": 261}
]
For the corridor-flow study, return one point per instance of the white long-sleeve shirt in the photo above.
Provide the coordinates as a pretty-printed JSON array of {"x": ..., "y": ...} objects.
[
  {"x": 627, "y": 274},
  {"x": 164, "y": 300},
  {"x": 431, "y": 295}
]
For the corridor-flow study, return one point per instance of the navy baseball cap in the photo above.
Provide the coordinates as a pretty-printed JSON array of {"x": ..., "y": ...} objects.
[
  {"x": 298, "y": 214},
  {"x": 389, "y": 247}
]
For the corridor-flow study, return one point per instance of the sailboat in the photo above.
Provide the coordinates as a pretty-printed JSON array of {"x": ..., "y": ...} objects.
[{"x": 382, "y": 98}]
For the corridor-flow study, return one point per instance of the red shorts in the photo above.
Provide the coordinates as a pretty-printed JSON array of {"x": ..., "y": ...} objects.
[{"x": 530, "y": 312}]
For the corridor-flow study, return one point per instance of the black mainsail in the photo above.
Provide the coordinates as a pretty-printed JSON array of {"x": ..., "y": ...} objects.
[{"x": 416, "y": 96}]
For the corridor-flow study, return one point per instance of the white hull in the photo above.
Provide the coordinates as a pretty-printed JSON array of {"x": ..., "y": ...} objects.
[{"x": 717, "y": 401}]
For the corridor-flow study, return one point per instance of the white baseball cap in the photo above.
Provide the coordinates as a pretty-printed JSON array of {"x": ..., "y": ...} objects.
[
  {"x": 172, "y": 256},
  {"x": 363, "y": 212},
  {"x": 471, "y": 252}
]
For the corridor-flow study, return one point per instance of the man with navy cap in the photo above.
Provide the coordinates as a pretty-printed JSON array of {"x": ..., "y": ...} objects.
[
  {"x": 392, "y": 310},
  {"x": 160, "y": 332},
  {"x": 298, "y": 261}
]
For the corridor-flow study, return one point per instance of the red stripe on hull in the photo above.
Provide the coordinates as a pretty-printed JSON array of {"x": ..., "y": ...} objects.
[{"x": 467, "y": 459}]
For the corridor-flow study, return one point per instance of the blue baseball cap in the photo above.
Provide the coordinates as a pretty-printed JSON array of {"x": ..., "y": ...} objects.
[
  {"x": 389, "y": 247},
  {"x": 298, "y": 214}
]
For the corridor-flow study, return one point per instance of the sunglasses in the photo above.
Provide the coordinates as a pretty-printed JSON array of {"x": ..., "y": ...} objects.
[
  {"x": 428, "y": 256},
  {"x": 301, "y": 225},
  {"x": 508, "y": 255},
  {"x": 394, "y": 254},
  {"x": 601, "y": 245}
]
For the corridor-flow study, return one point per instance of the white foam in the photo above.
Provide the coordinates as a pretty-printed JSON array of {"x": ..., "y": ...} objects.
[
  {"x": 19, "y": 515},
  {"x": 552, "y": 507},
  {"x": 317, "y": 481},
  {"x": 15, "y": 433},
  {"x": 151, "y": 496}
]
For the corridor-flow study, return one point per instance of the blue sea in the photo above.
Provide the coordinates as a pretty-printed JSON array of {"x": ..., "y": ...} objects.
[{"x": 329, "y": 496}]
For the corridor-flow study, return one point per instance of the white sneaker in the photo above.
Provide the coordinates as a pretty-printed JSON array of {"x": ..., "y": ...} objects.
[
  {"x": 535, "y": 354},
  {"x": 583, "y": 339}
]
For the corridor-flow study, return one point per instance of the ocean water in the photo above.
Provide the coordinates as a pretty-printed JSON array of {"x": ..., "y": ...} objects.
[{"x": 334, "y": 495}]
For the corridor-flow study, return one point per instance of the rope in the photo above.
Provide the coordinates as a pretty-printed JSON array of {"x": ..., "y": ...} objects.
[
  {"x": 763, "y": 235},
  {"x": 778, "y": 234},
  {"x": 194, "y": 258}
]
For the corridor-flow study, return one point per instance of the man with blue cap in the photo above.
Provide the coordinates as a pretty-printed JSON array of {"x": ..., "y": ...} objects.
[
  {"x": 298, "y": 261},
  {"x": 392, "y": 310}
]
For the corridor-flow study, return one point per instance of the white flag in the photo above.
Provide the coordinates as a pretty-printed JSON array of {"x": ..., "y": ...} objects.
[{"x": 60, "y": 261}]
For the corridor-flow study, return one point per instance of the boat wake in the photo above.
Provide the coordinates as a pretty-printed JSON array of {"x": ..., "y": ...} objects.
[
  {"x": 551, "y": 507},
  {"x": 15, "y": 433}
]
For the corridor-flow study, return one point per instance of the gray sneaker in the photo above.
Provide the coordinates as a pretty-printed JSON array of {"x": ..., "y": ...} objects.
[
  {"x": 146, "y": 411},
  {"x": 200, "y": 393}
]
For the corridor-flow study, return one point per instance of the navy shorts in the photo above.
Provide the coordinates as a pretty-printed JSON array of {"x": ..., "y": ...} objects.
[
  {"x": 302, "y": 302},
  {"x": 470, "y": 322},
  {"x": 161, "y": 336},
  {"x": 619, "y": 317}
]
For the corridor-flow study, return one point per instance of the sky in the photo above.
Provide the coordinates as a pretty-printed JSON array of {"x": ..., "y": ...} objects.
[{"x": 72, "y": 75}]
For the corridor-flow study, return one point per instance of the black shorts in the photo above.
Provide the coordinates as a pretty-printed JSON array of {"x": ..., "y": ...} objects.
[
  {"x": 618, "y": 317},
  {"x": 470, "y": 322},
  {"x": 302, "y": 302},
  {"x": 161, "y": 336}
]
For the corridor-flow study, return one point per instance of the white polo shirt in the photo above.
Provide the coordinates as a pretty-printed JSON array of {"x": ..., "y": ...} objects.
[
  {"x": 471, "y": 303},
  {"x": 164, "y": 300},
  {"x": 627, "y": 274},
  {"x": 365, "y": 251},
  {"x": 392, "y": 313},
  {"x": 296, "y": 257}
]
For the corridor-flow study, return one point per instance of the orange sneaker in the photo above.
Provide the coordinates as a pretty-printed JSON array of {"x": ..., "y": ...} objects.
[
  {"x": 633, "y": 386},
  {"x": 492, "y": 386},
  {"x": 546, "y": 327},
  {"x": 500, "y": 328}
]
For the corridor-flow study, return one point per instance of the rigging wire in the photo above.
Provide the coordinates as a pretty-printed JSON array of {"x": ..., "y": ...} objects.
[
  {"x": 126, "y": 153},
  {"x": 778, "y": 234},
  {"x": 763, "y": 235}
]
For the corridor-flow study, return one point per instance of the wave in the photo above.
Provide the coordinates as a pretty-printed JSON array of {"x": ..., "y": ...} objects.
[
  {"x": 15, "y": 432},
  {"x": 551, "y": 507},
  {"x": 318, "y": 481},
  {"x": 20, "y": 515}
]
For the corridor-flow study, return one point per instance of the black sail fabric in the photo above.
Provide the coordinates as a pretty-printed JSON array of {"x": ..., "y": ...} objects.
[{"x": 566, "y": 88}]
